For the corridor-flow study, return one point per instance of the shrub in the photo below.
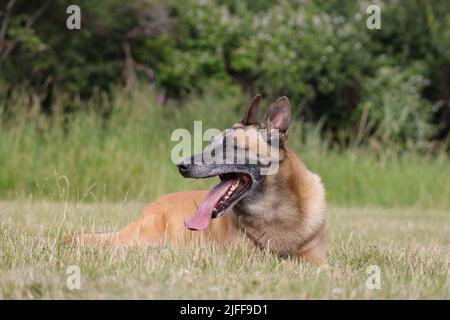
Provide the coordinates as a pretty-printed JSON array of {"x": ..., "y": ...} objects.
[
  {"x": 393, "y": 111},
  {"x": 319, "y": 53}
]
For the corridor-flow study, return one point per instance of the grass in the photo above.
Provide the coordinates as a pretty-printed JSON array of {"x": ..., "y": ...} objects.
[
  {"x": 129, "y": 156},
  {"x": 67, "y": 173},
  {"x": 410, "y": 246}
]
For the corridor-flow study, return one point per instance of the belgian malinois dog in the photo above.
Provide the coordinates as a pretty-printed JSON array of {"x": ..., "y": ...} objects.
[{"x": 283, "y": 211}]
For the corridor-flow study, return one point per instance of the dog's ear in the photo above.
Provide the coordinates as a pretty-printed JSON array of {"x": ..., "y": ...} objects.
[
  {"x": 252, "y": 114},
  {"x": 278, "y": 117}
]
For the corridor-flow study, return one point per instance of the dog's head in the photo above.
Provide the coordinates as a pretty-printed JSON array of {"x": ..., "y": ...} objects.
[{"x": 241, "y": 156}]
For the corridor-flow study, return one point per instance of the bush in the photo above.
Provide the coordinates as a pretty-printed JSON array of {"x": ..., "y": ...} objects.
[
  {"x": 319, "y": 53},
  {"x": 393, "y": 111}
]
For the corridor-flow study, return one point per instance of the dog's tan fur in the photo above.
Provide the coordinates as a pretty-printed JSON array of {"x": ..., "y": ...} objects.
[{"x": 288, "y": 217}]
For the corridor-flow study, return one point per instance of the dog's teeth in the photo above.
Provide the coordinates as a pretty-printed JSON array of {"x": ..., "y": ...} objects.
[{"x": 230, "y": 191}]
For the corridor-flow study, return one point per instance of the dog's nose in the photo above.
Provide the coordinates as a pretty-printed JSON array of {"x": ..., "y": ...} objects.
[{"x": 183, "y": 167}]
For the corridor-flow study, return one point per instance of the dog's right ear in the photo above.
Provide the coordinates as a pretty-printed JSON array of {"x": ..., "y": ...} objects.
[
  {"x": 278, "y": 117},
  {"x": 252, "y": 115}
]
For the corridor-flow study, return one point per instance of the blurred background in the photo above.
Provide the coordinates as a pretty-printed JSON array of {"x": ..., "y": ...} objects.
[{"x": 87, "y": 114}]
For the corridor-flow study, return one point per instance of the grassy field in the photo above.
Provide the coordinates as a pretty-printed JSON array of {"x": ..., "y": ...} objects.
[
  {"x": 410, "y": 246},
  {"x": 67, "y": 173}
]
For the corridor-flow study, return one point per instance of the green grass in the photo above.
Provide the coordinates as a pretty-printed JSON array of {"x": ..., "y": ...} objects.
[
  {"x": 128, "y": 157},
  {"x": 410, "y": 246},
  {"x": 64, "y": 174}
]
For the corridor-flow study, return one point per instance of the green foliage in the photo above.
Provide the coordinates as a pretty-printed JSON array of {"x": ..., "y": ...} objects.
[
  {"x": 393, "y": 112},
  {"x": 319, "y": 53}
]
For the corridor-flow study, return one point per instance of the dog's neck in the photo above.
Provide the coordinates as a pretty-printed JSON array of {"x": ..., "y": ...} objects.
[
  {"x": 288, "y": 211},
  {"x": 276, "y": 193}
]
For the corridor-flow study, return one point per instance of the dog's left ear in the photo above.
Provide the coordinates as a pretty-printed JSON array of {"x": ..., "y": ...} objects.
[
  {"x": 252, "y": 115},
  {"x": 278, "y": 117}
]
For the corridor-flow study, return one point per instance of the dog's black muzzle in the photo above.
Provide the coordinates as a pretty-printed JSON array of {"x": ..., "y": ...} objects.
[{"x": 183, "y": 168}]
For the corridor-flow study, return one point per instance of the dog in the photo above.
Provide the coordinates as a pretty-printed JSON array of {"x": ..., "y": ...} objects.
[{"x": 283, "y": 211}]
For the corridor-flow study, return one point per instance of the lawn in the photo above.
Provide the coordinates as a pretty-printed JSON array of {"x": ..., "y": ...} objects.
[
  {"x": 409, "y": 245},
  {"x": 59, "y": 175}
]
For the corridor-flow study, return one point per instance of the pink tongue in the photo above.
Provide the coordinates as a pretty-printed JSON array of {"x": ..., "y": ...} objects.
[{"x": 203, "y": 216}]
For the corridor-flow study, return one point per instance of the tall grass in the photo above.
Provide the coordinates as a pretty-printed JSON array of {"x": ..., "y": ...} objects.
[{"x": 86, "y": 156}]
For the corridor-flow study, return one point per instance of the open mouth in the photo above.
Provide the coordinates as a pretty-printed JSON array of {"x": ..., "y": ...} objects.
[{"x": 221, "y": 198}]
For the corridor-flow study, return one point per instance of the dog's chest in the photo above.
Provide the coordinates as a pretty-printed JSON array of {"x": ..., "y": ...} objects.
[{"x": 278, "y": 230}]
